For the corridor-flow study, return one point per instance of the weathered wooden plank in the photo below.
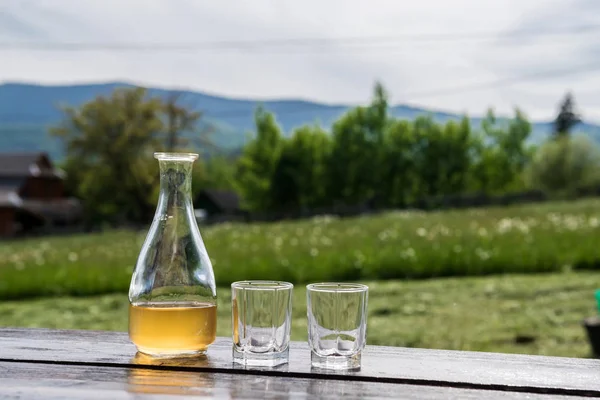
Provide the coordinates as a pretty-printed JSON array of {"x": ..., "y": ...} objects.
[
  {"x": 30, "y": 380},
  {"x": 531, "y": 374}
]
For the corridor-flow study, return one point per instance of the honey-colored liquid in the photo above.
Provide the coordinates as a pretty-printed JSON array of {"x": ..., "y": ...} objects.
[
  {"x": 172, "y": 328},
  {"x": 236, "y": 332}
]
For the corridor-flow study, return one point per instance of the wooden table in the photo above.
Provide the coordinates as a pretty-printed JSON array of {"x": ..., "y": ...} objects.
[{"x": 40, "y": 363}]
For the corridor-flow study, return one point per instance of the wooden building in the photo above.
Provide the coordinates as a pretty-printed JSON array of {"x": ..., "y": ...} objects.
[
  {"x": 218, "y": 206},
  {"x": 32, "y": 195}
]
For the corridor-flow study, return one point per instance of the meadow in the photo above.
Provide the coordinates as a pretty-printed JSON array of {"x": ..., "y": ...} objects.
[
  {"x": 529, "y": 314},
  {"x": 517, "y": 279},
  {"x": 535, "y": 238}
]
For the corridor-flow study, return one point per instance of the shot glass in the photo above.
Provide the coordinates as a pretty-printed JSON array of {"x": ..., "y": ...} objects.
[
  {"x": 262, "y": 317},
  {"x": 337, "y": 324}
]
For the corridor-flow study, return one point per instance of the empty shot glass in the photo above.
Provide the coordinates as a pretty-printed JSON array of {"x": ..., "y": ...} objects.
[
  {"x": 337, "y": 324},
  {"x": 262, "y": 317}
]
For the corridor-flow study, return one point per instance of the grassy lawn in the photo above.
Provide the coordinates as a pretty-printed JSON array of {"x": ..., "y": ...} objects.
[
  {"x": 517, "y": 279},
  {"x": 533, "y": 314},
  {"x": 534, "y": 238}
]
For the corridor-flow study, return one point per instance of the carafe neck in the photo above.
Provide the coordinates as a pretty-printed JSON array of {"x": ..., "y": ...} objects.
[{"x": 175, "y": 183}]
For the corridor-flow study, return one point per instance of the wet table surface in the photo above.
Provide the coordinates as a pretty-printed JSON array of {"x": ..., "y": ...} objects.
[{"x": 41, "y": 363}]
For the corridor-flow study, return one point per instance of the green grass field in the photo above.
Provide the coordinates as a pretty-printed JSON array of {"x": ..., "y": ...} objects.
[
  {"x": 532, "y": 314},
  {"x": 517, "y": 279},
  {"x": 400, "y": 245}
]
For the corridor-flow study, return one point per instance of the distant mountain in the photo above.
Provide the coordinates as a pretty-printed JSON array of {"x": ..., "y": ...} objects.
[{"x": 27, "y": 110}]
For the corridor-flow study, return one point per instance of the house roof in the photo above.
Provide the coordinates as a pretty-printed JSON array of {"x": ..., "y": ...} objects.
[
  {"x": 66, "y": 209},
  {"x": 226, "y": 200},
  {"x": 9, "y": 198},
  {"x": 25, "y": 164},
  {"x": 11, "y": 184},
  {"x": 17, "y": 163}
]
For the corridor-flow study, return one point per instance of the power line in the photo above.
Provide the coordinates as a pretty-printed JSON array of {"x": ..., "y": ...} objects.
[
  {"x": 293, "y": 43},
  {"x": 523, "y": 78},
  {"x": 534, "y": 76}
]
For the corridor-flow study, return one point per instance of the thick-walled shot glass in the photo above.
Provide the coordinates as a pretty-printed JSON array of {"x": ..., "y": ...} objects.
[
  {"x": 337, "y": 324},
  {"x": 262, "y": 317}
]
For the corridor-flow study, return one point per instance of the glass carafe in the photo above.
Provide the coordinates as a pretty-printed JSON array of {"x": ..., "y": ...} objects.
[{"x": 172, "y": 296}]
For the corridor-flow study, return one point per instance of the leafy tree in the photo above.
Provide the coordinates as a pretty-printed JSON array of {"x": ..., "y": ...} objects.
[
  {"x": 216, "y": 172},
  {"x": 398, "y": 166},
  {"x": 517, "y": 152},
  {"x": 258, "y": 161},
  {"x": 457, "y": 161},
  {"x": 429, "y": 153},
  {"x": 567, "y": 117},
  {"x": 501, "y": 153},
  {"x": 109, "y": 143},
  {"x": 564, "y": 165},
  {"x": 179, "y": 120},
  {"x": 357, "y": 151},
  {"x": 299, "y": 178}
]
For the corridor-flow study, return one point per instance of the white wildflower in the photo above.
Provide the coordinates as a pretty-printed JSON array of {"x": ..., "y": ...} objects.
[
  {"x": 409, "y": 253},
  {"x": 359, "y": 258},
  {"x": 484, "y": 255},
  {"x": 504, "y": 226}
]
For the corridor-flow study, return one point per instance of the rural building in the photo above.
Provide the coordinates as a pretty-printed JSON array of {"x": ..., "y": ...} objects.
[
  {"x": 217, "y": 205},
  {"x": 32, "y": 195}
]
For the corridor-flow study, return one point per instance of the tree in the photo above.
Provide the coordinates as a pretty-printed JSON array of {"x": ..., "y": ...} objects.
[
  {"x": 398, "y": 164},
  {"x": 299, "y": 177},
  {"x": 357, "y": 150},
  {"x": 517, "y": 152},
  {"x": 458, "y": 141},
  {"x": 180, "y": 120},
  {"x": 501, "y": 153},
  {"x": 109, "y": 144},
  {"x": 567, "y": 117},
  {"x": 216, "y": 172},
  {"x": 564, "y": 165},
  {"x": 429, "y": 154},
  {"x": 258, "y": 161}
]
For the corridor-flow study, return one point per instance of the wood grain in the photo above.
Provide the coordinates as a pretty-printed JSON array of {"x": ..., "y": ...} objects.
[
  {"x": 85, "y": 382},
  {"x": 487, "y": 371}
]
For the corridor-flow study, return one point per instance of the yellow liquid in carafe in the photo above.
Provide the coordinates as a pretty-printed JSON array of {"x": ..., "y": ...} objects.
[{"x": 172, "y": 328}]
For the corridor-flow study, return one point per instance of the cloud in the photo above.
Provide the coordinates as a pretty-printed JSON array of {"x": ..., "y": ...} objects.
[
  {"x": 12, "y": 27},
  {"x": 414, "y": 70},
  {"x": 563, "y": 56}
]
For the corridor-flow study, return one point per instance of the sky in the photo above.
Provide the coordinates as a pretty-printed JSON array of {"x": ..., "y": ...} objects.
[{"x": 452, "y": 55}]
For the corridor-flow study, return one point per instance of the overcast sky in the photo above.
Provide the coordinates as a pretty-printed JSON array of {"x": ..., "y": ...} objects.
[{"x": 455, "y": 55}]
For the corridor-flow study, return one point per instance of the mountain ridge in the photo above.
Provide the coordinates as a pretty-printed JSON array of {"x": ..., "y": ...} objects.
[{"x": 26, "y": 109}]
